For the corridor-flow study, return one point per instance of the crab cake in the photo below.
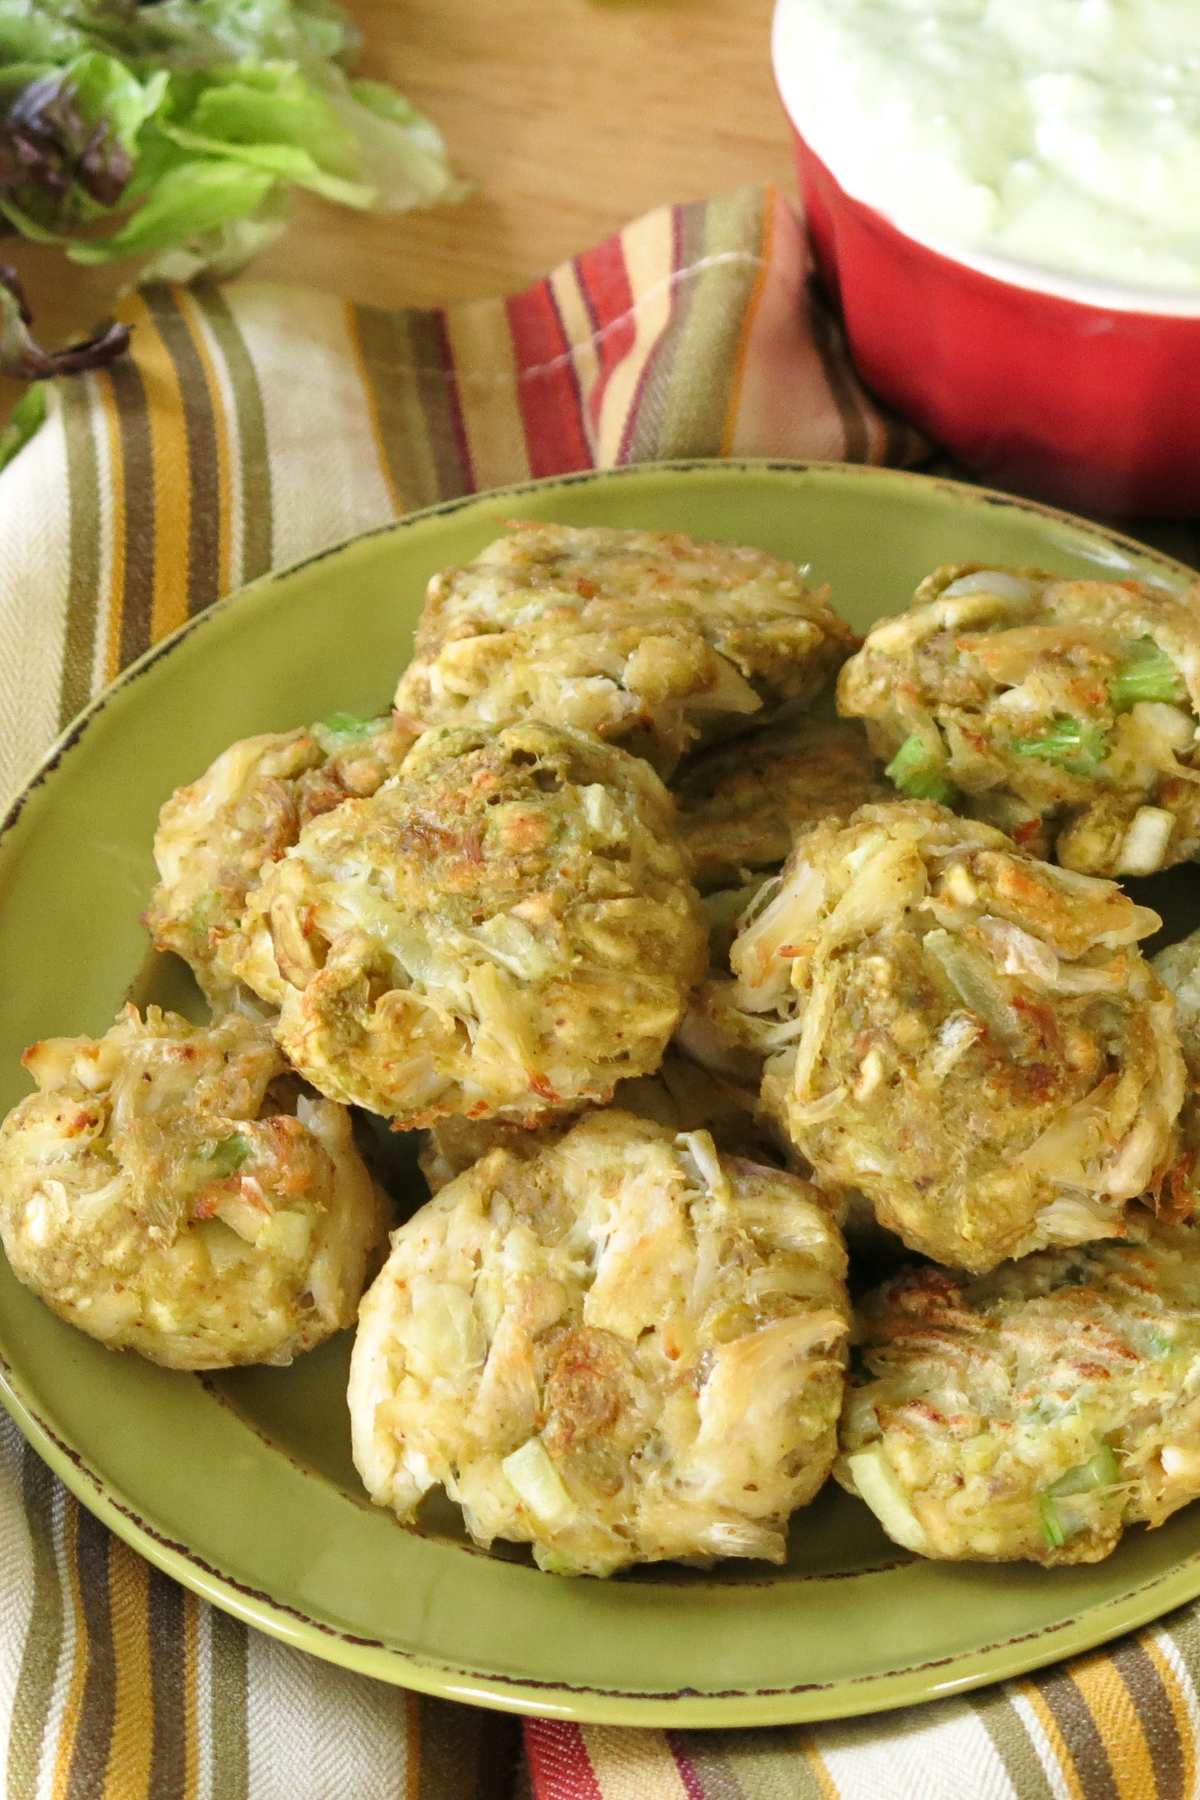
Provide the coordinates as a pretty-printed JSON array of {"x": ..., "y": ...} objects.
[
  {"x": 216, "y": 835},
  {"x": 1037, "y": 1411},
  {"x": 625, "y": 1348},
  {"x": 165, "y": 1191},
  {"x": 1179, "y": 968},
  {"x": 507, "y": 928},
  {"x": 742, "y": 805},
  {"x": 650, "y": 639},
  {"x": 1065, "y": 712},
  {"x": 969, "y": 1036},
  {"x": 681, "y": 1096}
]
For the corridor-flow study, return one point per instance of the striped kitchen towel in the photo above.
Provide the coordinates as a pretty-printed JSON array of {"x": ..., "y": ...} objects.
[{"x": 250, "y": 427}]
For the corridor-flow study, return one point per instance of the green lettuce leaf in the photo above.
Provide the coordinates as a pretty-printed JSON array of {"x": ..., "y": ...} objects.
[
  {"x": 191, "y": 199},
  {"x": 175, "y": 131}
]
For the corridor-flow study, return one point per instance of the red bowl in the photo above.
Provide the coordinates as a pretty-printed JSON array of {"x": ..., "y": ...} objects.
[{"x": 1069, "y": 389}]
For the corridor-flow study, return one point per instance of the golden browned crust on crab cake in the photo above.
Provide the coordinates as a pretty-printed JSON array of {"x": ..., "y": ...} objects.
[
  {"x": 679, "y": 1095},
  {"x": 652, "y": 639},
  {"x": 216, "y": 835},
  {"x": 506, "y": 928},
  {"x": 166, "y": 1192},
  {"x": 967, "y": 1035},
  {"x": 624, "y": 1349},
  {"x": 1065, "y": 712},
  {"x": 1178, "y": 967},
  {"x": 742, "y": 805},
  {"x": 1034, "y": 1412}
]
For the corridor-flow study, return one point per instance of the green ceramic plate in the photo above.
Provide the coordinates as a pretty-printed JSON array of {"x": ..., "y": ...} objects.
[{"x": 242, "y": 1487}]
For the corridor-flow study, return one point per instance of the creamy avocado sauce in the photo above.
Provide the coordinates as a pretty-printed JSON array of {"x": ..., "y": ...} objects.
[{"x": 1064, "y": 133}]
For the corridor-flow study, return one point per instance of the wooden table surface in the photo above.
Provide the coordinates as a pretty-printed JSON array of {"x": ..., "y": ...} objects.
[{"x": 571, "y": 116}]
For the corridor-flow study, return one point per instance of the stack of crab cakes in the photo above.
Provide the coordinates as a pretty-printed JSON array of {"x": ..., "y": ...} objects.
[
  {"x": 686, "y": 984},
  {"x": 1027, "y": 1408}
]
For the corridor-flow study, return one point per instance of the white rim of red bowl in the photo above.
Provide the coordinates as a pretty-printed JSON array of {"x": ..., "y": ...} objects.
[{"x": 1083, "y": 290}]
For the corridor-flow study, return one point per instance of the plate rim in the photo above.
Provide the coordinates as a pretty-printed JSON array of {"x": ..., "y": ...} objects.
[{"x": 809, "y": 1703}]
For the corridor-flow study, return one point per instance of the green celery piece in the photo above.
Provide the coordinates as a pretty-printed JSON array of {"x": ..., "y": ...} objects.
[
  {"x": 1145, "y": 673},
  {"x": 348, "y": 728},
  {"x": 1053, "y": 1529},
  {"x": 916, "y": 771},
  {"x": 1076, "y": 745},
  {"x": 228, "y": 1155},
  {"x": 1100, "y": 1470}
]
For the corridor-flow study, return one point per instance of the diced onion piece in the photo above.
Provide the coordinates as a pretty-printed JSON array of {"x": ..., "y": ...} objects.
[
  {"x": 990, "y": 581},
  {"x": 1075, "y": 1218},
  {"x": 446, "y": 1337},
  {"x": 290, "y": 1234},
  {"x": 538, "y": 1482},
  {"x": 742, "y": 1537},
  {"x": 1145, "y": 843},
  {"x": 730, "y": 693},
  {"x": 1170, "y": 723},
  {"x": 1181, "y": 1461}
]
